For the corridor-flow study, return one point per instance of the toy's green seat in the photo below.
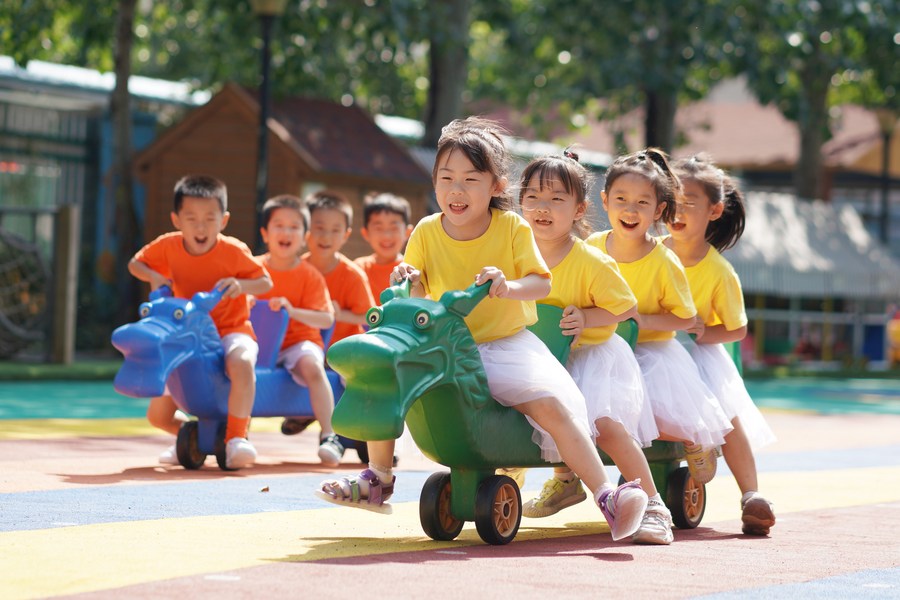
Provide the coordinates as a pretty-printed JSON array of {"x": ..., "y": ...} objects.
[
  {"x": 547, "y": 328},
  {"x": 629, "y": 331}
]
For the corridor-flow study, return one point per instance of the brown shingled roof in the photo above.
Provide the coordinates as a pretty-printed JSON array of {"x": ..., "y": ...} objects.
[{"x": 345, "y": 140}]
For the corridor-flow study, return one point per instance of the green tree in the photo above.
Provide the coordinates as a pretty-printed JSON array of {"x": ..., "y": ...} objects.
[
  {"x": 565, "y": 60},
  {"x": 807, "y": 56}
]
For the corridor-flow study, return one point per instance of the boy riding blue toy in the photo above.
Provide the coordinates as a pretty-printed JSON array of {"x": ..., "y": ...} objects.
[{"x": 175, "y": 346}]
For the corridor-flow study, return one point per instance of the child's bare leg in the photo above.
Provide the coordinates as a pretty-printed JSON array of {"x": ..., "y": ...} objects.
[
  {"x": 757, "y": 514},
  {"x": 240, "y": 368},
  {"x": 624, "y": 507},
  {"x": 321, "y": 396},
  {"x": 574, "y": 445},
  {"x": 615, "y": 441},
  {"x": 163, "y": 414},
  {"x": 739, "y": 457}
]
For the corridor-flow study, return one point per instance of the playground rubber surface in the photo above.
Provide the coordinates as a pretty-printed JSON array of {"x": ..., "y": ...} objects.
[{"x": 85, "y": 510}]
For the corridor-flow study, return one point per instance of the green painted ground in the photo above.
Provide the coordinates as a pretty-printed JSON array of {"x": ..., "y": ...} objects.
[{"x": 98, "y": 400}]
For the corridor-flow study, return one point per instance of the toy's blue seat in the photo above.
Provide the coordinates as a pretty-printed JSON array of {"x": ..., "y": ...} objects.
[{"x": 270, "y": 327}]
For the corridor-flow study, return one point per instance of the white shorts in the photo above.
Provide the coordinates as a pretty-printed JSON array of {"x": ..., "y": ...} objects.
[
  {"x": 289, "y": 357},
  {"x": 684, "y": 408},
  {"x": 521, "y": 369},
  {"x": 233, "y": 341},
  {"x": 723, "y": 379},
  {"x": 610, "y": 378}
]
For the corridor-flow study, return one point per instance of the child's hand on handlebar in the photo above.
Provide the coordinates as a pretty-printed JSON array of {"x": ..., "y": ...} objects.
[
  {"x": 499, "y": 286},
  {"x": 403, "y": 272},
  {"x": 230, "y": 287},
  {"x": 572, "y": 322}
]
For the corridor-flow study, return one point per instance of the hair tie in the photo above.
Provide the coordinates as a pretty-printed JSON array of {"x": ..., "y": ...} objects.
[{"x": 569, "y": 154}]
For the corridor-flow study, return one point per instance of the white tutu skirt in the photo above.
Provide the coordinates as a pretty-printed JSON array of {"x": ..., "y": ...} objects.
[
  {"x": 520, "y": 369},
  {"x": 610, "y": 378},
  {"x": 682, "y": 405},
  {"x": 723, "y": 379}
]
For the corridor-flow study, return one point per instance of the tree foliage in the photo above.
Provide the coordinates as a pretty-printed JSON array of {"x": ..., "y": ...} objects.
[{"x": 807, "y": 56}]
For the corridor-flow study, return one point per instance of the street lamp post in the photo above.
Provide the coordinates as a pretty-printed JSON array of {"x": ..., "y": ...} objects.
[
  {"x": 267, "y": 11},
  {"x": 887, "y": 120}
]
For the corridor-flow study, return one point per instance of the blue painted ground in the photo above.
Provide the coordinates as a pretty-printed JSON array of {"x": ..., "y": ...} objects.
[
  {"x": 234, "y": 495},
  {"x": 874, "y": 583}
]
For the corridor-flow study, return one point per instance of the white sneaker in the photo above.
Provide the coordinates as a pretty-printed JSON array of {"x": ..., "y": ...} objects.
[
  {"x": 656, "y": 526},
  {"x": 239, "y": 452},
  {"x": 169, "y": 456},
  {"x": 330, "y": 451}
]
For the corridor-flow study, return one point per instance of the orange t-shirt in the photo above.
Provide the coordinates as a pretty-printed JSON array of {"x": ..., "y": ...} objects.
[
  {"x": 304, "y": 287},
  {"x": 349, "y": 287},
  {"x": 379, "y": 274},
  {"x": 230, "y": 257}
]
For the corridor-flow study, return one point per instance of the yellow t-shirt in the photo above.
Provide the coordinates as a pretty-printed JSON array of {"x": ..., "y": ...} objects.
[
  {"x": 588, "y": 278},
  {"x": 448, "y": 264},
  {"x": 659, "y": 283},
  {"x": 717, "y": 293}
]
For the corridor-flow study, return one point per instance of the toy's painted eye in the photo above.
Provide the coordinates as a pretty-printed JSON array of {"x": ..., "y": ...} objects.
[
  {"x": 374, "y": 316},
  {"x": 423, "y": 319},
  {"x": 144, "y": 310},
  {"x": 177, "y": 314}
]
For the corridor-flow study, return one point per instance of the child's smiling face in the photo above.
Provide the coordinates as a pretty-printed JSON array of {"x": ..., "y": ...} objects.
[
  {"x": 464, "y": 194},
  {"x": 328, "y": 232},
  {"x": 693, "y": 212},
  {"x": 550, "y": 209},
  {"x": 632, "y": 205},
  {"x": 284, "y": 233},
  {"x": 200, "y": 220},
  {"x": 386, "y": 232}
]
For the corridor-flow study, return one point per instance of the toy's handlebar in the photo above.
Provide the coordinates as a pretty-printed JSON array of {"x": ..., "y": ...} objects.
[
  {"x": 206, "y": 299},
  {"x": 162, "y": 291}
]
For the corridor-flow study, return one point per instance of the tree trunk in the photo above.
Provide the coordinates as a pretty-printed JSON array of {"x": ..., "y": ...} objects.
[
  {"x": 812, "y": 121},
  {"x": 121, "y": 180},
  {"x": 448, "y": 65},
  {"x": 659, "y": 120}
]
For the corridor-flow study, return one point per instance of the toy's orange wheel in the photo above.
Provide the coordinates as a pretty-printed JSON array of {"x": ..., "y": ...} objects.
[
  {"x": 437, "y": 520},
  {"x": 187, "y": 447},
  {"x": 498, "y": 509},
  {"x": 685, "y": 498}
]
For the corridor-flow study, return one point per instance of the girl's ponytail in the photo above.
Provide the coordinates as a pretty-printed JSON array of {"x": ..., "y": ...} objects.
[
  {"x": 658, "y": 157},
  {"x": 724, "y": 232}
]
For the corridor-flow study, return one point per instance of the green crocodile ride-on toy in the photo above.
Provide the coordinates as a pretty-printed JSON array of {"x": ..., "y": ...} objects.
[{"x": 419, "y": 363}]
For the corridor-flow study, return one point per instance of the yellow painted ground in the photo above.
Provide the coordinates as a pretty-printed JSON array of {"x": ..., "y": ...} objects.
[
  {"x": 42, "y": 429},
  {"x": 111, "y": 555}
]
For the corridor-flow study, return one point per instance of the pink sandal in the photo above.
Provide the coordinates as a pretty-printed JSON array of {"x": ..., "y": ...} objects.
[{"x": 345, "y": 492}]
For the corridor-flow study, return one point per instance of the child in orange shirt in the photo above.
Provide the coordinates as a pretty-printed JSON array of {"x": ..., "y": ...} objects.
[
  {"x": 386, "y": 229},
  {"x": 330, "y": 215},
  {"x": 198, "y": 258},
  {"x": 300, "y": 289}
]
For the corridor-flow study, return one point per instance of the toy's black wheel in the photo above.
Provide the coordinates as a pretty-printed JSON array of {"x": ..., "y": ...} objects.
[
  {"x": 498, "y": 509},
  {"x": 686, "y": 498},
  {"x": 187, "y": 446},
  {"x": 220, "y": 448},
  {"x": 434, "y": 509}
]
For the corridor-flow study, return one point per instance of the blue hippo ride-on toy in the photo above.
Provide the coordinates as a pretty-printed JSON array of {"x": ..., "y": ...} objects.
[
  {"x": 175, "y": 344},
  {"x": 419, "y": 363}
]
